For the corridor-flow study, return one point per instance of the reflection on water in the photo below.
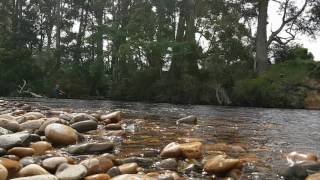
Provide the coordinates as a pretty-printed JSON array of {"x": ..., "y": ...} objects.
[{"x": 267, "y": 134}]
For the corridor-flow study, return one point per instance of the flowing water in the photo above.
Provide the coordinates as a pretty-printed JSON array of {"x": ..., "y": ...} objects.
[{"x": 266, "y": 134}]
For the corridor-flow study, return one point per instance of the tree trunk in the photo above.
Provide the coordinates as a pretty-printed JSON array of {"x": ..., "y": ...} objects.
[
  {"x": 58, "y": 35},
  {"x": 261, "y": 60}
]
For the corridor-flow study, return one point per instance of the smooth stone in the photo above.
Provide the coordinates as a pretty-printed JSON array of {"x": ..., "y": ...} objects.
[
  {"x": 172, "y": 150},
  {"x": 32, "y": 170},
  {"x": 299, "y": 171},
  {"x": 38, "y": 177},
  {"x": 18, "y": 112},
  {"x": 97, "y": 165},
  {"x": 33, "y": 115},
  {"x": 85, "y": 126},
  {"x": 133, "y": 177},
  {"x": 48, "y": 122},
  {"x": 7, "y": 116},
  {"x": 187, "y": 120},
  {"x": 82, "y": 117},
  {"x": 114, "y": 171},
  {"x": 4, "y": 131},
  {"x": 11, "y": 165},
  {"x": 21, "y": 151},
  {"x": 220, "y": 165},
  {"x": 11, "y": 125},
  {"x": 91, "y": 148},
  {"x": 61, "y": 134},
  {"x": 114, "y": 117},
  {"x": 71, "y": 172},
  {"x": 41, "y": 147},
  {"x": 29, "y": 160},
  {"x": 143, "y": 162},
  {"x": 192, "y": 150},
  {"x": 66, "y": 116},
  {"x": 98, "y": 177},
  {"x": 3, "y": 172},
  {"x": 315, "y": 176},
  {"x": 51, "y": 164},
  {"x": 167, "y": 164},
  {"x": 128, "y": 168},
  {"x": 16, "y": 139},
  {"x": 32, "y": 125},
  {"x": 121, "y": 133},
  {"x": 298, "y": 158},
  {"x": 113, "y": 127}
]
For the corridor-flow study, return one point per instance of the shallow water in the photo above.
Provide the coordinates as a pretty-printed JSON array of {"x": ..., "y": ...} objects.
[{"x": 267, "y": 134}]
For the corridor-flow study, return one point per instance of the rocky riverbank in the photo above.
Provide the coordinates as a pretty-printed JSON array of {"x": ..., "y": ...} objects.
[{"x": 40, "y": 143}]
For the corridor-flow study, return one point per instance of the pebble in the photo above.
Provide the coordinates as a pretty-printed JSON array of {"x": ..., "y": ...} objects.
[
  {"x": 16, "y": 139},
  {"x": 3, "y": 172},
  {"x": 11, "y": 165},
  {"x": 166, "y": 164},
  {"x": 192, "y": 150},
  {"x": 315, "y": 176},
  {"x": 51, "y": 164},
  {"x": 33, "y": 116},
  {"x": 82, "y": 117},
  {"x": 85, "y": 126},
  {"x": 32, "y": 125},
  {"x": 71, "y": 172},
  {"x": 128, "y": 168},
  {"x": 38, "y": 177},
  {"x": 11, "y": 125},
  {"x": 32, "y": 170},
  {"x": 172, "y": 150},
  {"x": 91, "y": 148},
  {"x": 30, "y": 160},
  {"x": 4, "y": 131},
  {"x": 114, "y": 117},
  {"x": 21, "y": 151},
  {"x": 98, "y": 177},
  {"x": 114, "y": 171},
  {"x": 113, "y": 127},
  {"x": 97, "y": 165},
  {"x": 187, "y": 120},
  {"x": 133, "y": 177},
  {"x": 60, "y": 134},
  {"x": 41, "y": 147},
  {"x": 220, "y": 165}
]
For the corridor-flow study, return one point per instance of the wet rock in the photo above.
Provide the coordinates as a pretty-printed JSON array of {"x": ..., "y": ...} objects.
[
  {"x": 298, "y": 158},
  {"x": 2, "y": 152},
  {"x": 61, "y": 134},
  {"x": 143, "y": 162},
  {"x": 48, "y": 122},
  {"x": 220, "y": 165},
  {"x": 66, "y": 116},
  {"x": 32, "y": 170},
  {"x": 98, "y": 177},
  {"x": 11, "y": 165},
  {"x": 4, "y": 131},
  {"x": 18, "y": 112},
  {"x": 116, "y": 133},
  {"x": 91, "y": 148},
  {"x": 172, "y": 150},
  {"x": 71, "y": 172},
  {"x": 41, "y": 147},
  {"x": 113, "y": 127},
  {"x": 16, "y": 139},
  {"x": 114, "y": 117},
  {"x": 187, "y": 120},
  {"x": 133, "y": 177},
  {"x": 314, "y": 177},
  {"x": 51, "y": 164},
  {"x": 166, "y": 164},
  {"x": 33, "y": 116},
  {"x": 7, "y": 117},
  {"x": 32, "y": 125},
  {"x": 85, "y": 126},
  {"x": 299, "y": 171},
  {"x": 82, "y": 117},
  {"x": 114, "y": 171},
  {"x": 11, "y": 125},
  {"x": 129, "y": 168},
  {"x": 38, "y": 177},
  {"x": 21, "y": 151},
  {"x": 192, "y": 150},
  {"x": 3, "y": 172},
  {"x": 97, "y": 165},
  {"x": 29, "y": 160}
]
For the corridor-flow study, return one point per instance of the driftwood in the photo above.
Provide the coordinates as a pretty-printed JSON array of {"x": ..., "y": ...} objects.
[{"x": 22, "y": 90}]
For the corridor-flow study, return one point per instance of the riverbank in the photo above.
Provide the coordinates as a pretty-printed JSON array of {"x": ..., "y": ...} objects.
[{"x": 56, "y": 138}]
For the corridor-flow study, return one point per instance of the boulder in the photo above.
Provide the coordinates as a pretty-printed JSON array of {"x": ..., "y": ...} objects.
[
  {"x": 85, "y": 126},
  {"x": 91, "y": 148},
  {"x": 71, "y": 172},
  {"x": 60, "y": 134},
  {"x": 187, "y": 120}
]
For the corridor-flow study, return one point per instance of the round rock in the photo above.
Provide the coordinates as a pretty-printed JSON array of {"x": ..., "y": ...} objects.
[
  {"x": 61, "y": 134},
  {"x": 85, "y": 126},
  {"x": 71, "y": 172}
]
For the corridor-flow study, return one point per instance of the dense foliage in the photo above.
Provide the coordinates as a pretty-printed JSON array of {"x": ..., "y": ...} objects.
[{"x": 145, "y": 50}]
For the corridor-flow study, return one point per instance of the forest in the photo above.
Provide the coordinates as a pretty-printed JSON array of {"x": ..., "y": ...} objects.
[{"x": 177, "y": 51}]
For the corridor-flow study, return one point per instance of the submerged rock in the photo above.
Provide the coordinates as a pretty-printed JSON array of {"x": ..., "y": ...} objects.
[
  {"x": 60, "y": 134},
  {"x": 192, "y": 150},
  {"x": 172, "y": 150},
  {"x": 91, "y": 148},
  {"x": 299, "y": 171},
  {"x": 187, "y": 120}
]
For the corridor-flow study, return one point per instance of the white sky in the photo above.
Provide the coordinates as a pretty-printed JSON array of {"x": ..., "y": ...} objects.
[{"x": 275, "y": 20}]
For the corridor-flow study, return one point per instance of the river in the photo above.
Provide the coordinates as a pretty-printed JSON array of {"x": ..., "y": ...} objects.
[{"x": 266, "y": 134}]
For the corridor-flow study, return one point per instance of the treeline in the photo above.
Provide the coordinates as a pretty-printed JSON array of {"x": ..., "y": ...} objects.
[{"x": 181, "y": 51}]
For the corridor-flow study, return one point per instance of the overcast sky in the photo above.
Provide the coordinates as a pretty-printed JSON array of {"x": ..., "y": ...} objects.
[{"x": 275, "y": 20}]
